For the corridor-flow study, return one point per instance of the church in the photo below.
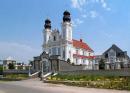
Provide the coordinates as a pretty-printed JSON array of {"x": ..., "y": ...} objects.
[{"x": 61, "y": 43}]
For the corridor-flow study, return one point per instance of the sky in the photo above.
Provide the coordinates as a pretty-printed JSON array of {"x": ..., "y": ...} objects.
[{"x": 100, "y": 23}]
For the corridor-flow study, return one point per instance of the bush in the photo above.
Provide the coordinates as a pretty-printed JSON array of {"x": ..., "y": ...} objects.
[
  {"x": 1, "y": 68},
  {"x": 11, "y": 66},
  {"x": 16, "y": 76}
]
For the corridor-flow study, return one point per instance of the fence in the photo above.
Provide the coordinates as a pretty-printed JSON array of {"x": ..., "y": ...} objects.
[{"x": 122, "y": 72}]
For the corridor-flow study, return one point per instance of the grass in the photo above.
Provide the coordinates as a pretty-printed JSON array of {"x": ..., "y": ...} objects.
[
  {"x": 108, "y": 82},
  {"x": 14, "y": 77}
]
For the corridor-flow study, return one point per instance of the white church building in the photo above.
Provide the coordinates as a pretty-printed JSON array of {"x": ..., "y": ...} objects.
[{"x": 62, "y": 43}]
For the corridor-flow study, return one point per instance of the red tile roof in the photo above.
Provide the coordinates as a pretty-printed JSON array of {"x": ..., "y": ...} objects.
[
  {"x": 82, "y": 56},
  {"x": 81, "y": 44}
]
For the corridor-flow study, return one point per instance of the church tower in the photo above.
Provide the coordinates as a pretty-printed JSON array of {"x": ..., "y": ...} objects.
[
  {"x": 67, "y": 36},
  {"x": 66, "y": 27},
  {"x": 46, "y": 34}
]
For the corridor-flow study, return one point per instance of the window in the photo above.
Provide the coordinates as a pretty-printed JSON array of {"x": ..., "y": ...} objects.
[
  {"x": 64, "y": 54},
  {"x": 70, "y": 54},
  {"x": 58, "y": 51},
  {"x": 64, "y": 34},
  {"x": 83, "y": 61},
  {"x": 83, "y": 52},
  {"x": 54, "y": 51},
  {"x": 77, "y": 51},
  {"x": 76, "y": 61},
  {"x": 44, "y": 38},
  {"x": 49, "y": 51},
  {"x": 54, "y": 38}
]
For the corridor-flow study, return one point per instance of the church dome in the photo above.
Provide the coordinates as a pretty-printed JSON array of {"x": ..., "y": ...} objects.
[
  {"x": 66, "y": 16},
  {"x": 47, "y": 21},
  {"x": 47, "y": 24},
  {"x": 66, "y": 13}
]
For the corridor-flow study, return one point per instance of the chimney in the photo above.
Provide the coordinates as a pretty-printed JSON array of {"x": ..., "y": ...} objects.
[{"x": 81, "y": 40}]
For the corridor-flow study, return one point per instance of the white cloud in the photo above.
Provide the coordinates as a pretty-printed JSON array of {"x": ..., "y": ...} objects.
[
  {"x": 77, "y": 22},
  {"x": 84, "y": 15},
  {"x": 20, "y": 52},
  {"x": 78, "y": 4},
  {"x": 93, "y": 14},
  {"x": 105, "y": 5},
  {"x": 88, "y": 10}
]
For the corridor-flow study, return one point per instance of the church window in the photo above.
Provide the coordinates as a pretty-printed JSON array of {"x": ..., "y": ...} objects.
[
  {"x": 83, "y": 52},
  {"x": 70, "y": 53},
  {"x": 58, "y": 51},
  {"x": 83, "y": 61},
  {"x": 44, "y": 38},
  {"x": 76, "y": 61},
  {"x": 64, "y": 54},
  {"x": 63, "y": 34},
  {"x": 54, "y": 51},
  {"x": 49, "y": 51},
  {"x": 89, "y": 54},
  {"x": 77, "y": 51},
  {"x": 54, "y": 38}
]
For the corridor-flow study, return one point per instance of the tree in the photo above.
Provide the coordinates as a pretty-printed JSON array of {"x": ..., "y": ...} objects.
[
  {"x": 11, "y": 66},
  {"x": 101, "y": 64},
  {"x": 68, "y": 60},
  {"x": 1, "y": 67}
]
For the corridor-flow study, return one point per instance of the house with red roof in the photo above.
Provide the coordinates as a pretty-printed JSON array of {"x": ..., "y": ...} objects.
[{"x": 62, "y": 43}]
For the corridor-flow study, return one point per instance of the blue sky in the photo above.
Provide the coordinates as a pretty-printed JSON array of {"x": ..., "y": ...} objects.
[{"x": 100, "y": 23}]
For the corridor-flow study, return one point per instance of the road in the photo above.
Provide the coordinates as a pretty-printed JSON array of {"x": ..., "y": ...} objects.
[{"x": 36, "y": 86}]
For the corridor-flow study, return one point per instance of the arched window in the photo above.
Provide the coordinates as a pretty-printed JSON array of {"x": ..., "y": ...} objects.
[{"x": 54, "y": 38}]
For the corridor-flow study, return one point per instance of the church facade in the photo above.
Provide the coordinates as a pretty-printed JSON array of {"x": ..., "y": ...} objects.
[{"x": 61, "y": 43}]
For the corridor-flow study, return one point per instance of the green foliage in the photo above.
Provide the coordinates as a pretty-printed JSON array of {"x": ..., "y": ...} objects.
[
  {"x": 17, "y": 76},
  {"x": 1, "y": 68},
  {"x": 68, "y": 60},
  {"x": 11, "y": 66},
  {"x": 109, "y": 82}
]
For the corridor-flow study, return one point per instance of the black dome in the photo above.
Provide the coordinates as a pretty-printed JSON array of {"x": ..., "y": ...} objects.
[
  {"x": 66, "y": 16},
  {"x": 47, "y": 24},
  {"x": 47, "y": 21},
  {"x": 66, "y": 13}
]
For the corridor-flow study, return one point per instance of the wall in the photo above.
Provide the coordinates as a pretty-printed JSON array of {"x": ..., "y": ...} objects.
[
  {"x": 64, "y": 66},
  {"x": 122, "y": 72}
]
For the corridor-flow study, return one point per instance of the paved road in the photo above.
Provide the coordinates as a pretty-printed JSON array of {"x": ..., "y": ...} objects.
[
  {"x": 7, "y": 88},
  {"x": 36, "y": 86}
]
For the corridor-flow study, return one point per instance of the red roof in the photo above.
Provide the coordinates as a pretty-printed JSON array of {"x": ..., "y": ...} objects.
[
  {"x": 81, "y": 44},
  {"x": 82, "y": 56}
]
